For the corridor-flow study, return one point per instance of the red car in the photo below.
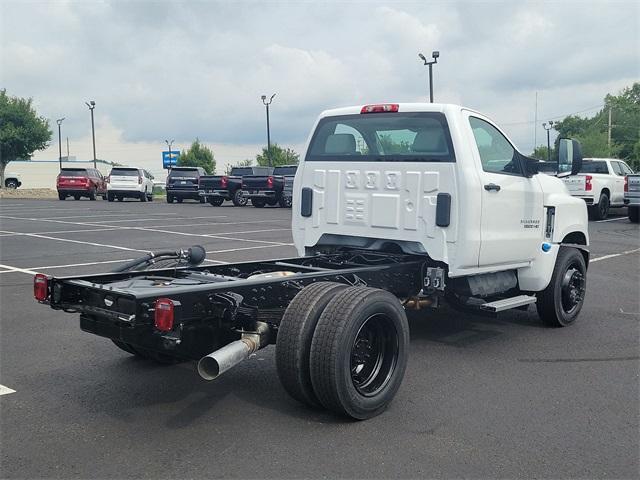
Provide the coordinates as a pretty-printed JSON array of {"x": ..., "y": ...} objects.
[{"x": 81, "y": 182}]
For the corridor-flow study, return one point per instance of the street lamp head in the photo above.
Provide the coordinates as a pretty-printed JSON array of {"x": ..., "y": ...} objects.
[
  {"x": 544, "y": 124},
  {"x": 263, "y": 97},
  {"x": 422, "y": 57},
  {"x": 59, "y": 121},
  {"x": 435, "y": 54},
  {"x": 271, "y": 99}
]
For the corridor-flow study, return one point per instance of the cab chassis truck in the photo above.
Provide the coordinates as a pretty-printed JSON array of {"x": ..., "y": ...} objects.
[{"x": 397, "y": 207}]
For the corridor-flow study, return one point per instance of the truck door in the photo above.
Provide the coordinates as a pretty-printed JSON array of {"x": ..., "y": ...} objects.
[{"x": 512, "y": 204}]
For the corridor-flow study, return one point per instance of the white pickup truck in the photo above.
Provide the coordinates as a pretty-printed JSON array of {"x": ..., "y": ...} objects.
[
  {"x": 396, "y": 207},
  {"x": 600, "y": 183}
]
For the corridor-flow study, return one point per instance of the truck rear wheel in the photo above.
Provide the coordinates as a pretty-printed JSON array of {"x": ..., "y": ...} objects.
[
  {"x": 61, "y": 196},
  {"x": 634, "y": 214},
  {"x": 258, "y": 202},
  {"x": 216, "y": 202},
  {"x": 238, "y": 199},
  {"x": 600, "y": 211},
  {"x": 295, "y": 333},
  {"x": 560, "y": 303},
  {"x": 359, "y": 352}
]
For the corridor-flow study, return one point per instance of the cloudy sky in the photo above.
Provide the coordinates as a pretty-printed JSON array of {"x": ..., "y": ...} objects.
[{"x": 179, "y": 70}]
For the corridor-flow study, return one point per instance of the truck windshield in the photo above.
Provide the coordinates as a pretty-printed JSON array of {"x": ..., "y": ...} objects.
[
  {"x": 284, "y": 171},
  {"x": 383, "y": 137},
  {"x": 594, "y": 167}
]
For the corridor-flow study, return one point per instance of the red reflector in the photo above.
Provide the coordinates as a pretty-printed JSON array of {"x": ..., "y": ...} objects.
[
  {"x": 40, "y": 287},
  {"x": 164, "y": 314},
  {"x": 224, "y": 182},
  {"x": 587, "y": 183},
  {"x": 380, "y": 108},
  {"x": 270, "y": 182},
  {"x": 626, "y": 184}
]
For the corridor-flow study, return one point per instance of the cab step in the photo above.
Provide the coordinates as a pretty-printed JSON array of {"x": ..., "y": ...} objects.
[{"x": 508, "y": 303}]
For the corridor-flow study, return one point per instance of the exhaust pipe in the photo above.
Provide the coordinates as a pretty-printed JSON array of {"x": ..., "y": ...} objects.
[{"x": 218, "y": 362}]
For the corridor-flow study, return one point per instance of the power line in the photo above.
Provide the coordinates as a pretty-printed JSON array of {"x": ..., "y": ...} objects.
[{"x": 551, "y": 118}]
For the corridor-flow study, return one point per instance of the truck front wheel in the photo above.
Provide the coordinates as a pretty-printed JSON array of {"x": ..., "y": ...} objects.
[
  {"x": 359, "y": 352},
  {"x": 295, "y": 333},
  {"x": 560, "y": 303}
]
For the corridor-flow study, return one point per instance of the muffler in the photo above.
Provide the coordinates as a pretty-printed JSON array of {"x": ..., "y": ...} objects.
[{"x": 218, "y": 362}]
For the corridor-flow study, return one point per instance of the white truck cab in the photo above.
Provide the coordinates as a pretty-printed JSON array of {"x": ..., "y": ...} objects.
[{"x": 438, "y": 180}]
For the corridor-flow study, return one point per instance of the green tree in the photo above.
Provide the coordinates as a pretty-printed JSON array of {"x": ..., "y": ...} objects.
[
  {"x": 279, "y": 156},
  {"x": 22, "y": 131},
  {"x": 593, "y": 132},
  {"x": 198, "y": 155},
  {"x": 540, "y": 152}
]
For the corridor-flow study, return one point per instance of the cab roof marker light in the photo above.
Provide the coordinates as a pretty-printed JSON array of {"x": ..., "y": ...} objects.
[{"x": 380, "y": 108}]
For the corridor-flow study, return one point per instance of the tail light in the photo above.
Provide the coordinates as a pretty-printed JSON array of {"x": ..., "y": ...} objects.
[
  {"x": 139, "y": 180},
  {"x": 587, "y": 183},
  {"x": 626, "y": 183},
  {"x": 40, "y": 287},
  {"x": 164, "y": 314},
  {"x": 270, "y": 182},
  {"x": 380, "y": 108},
  {"x": 224, "y": 182}
]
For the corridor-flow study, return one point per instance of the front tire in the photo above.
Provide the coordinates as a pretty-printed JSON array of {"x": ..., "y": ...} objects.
[
  {"x": 634, "y": 214},
  {"x": 560, "y": 303},
  {"x": 295, "y": 334},
  {"x": 359, "y": 352}
]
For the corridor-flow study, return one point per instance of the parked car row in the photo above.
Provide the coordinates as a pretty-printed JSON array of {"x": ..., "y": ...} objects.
[
  {"x": 259, "y": 185},
  {"x": 121, "y": 183}
]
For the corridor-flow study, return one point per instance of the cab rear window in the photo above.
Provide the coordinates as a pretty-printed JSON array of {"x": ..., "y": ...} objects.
[
  {"x": 383, "y": 137},
  {"x": 594, "y": 167}
]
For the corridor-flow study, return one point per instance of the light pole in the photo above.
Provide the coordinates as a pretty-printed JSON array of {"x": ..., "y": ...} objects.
[
  {"x": 169, "y": 143},
  {"x": 91, "y": 106},
  {"x": 435, "y": 56},
  {"x": 266, "y": 104},
  {"x": 59, "y": 122},
  {"x": 544, "y": 125}
]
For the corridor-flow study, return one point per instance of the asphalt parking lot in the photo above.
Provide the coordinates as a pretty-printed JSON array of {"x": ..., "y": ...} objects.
[{"x": 482, "y": 397}]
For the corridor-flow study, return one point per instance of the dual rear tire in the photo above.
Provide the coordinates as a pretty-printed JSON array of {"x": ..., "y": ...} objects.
[{"x": 343, "y": 348}]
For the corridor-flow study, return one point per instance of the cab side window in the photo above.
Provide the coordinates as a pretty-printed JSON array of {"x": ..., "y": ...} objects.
[{"x": 496, "y": 153}]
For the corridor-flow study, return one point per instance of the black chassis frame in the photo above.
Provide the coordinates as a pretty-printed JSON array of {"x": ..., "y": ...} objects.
[{"x": 207, "y": 316}]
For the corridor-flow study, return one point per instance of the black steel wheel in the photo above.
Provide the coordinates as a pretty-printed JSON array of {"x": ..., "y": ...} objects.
[
  {"x": 560, "y": 303},
  {"x": 359, "y": 352},
  {"x": 238, "y": 199},
  {"x": 295, "y": 334},
  {"x": 216, "y": 202}
]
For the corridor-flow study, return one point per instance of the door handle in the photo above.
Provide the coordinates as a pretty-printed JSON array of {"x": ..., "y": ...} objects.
[{"x": 492, "y": 186}]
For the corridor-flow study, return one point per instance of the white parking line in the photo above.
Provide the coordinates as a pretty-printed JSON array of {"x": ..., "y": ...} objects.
[
  {"x": 229, "y": 250},
  {"x": 613, "y": 255},
  {"x": 6, "y": 390},
  {"x": 611, "y": 219},
  {"x": 116, "y": 247},
  {"x": 202, "y": 235},
  {"x": 111, "y": 215},
  {"x": 105, "y": 229},
  {"x": 16, "y": 269}
]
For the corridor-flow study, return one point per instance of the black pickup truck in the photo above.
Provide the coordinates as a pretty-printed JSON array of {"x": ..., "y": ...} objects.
[
  {"x": 215, "y": 189},
  {"x": 270, "y": 189}
]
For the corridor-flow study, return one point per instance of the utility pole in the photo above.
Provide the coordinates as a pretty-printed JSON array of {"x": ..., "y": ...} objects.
[
  {"x": 544, "y": 125},
  {"x": 435, "y": 56},
  {"x": 266, "y": 104},
  {"x": 91, "y": 106},
  {"x": 59, "y": 122},
  {"x": 535, "y": 125},
  {"x": 67, "y": 149}
]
